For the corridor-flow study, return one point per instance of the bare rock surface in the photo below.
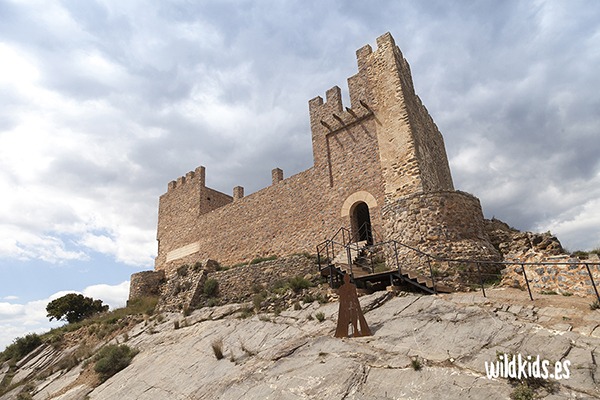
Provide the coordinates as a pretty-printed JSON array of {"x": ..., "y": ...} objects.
[
  {"x": 291, "y": 356},
  {"x": 423, "y": 347}
]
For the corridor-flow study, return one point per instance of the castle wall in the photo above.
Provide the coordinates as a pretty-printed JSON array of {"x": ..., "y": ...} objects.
[
  {"x": 291, "y": 216},
  {"x": 385, "y": 144},
  {"x": 443, "y": 224}
]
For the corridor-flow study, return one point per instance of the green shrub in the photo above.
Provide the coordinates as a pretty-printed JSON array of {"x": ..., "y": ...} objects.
[
  {"x": 197, "y": 266},
  {"x": 112, "y": 359},
  {"x": 320, "y": 316},
  {"x": 298, "y": 283},
  {"x": 246, "y": 312},
  {"x": 595, "y": 305},
  {"x": 24, "y": 395},
  {"x": 262, "y": 259},
  {"x": 523, "y": 392},
  {"x": 257, "y": 300},
  {"x": 211, "y": 287},
  {"x": 183, "y": 270},
  {"x": 20, "y": 347},
  {"x": 212, "y": 302}
]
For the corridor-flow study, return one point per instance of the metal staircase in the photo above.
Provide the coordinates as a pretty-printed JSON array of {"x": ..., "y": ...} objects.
[{"x": 368, "y": 264}]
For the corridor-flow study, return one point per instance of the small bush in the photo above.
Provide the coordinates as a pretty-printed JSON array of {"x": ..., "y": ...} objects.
[
  {"x": 211, "y": 287},
  {"x": 257, "y": 288},
  {"x": 187, "y": 311},
  {"x": 246, "y": 312},
  {"x": 112, "y": 359},
  {"x": 580, "y": 254},
  {"x": 320, "y": 316},
  {"x": 595, "y": 305},
  {"x": 523, "y": 392},
  {"x": 183, "y": 270},
  {"x": 308, "y": 298},
  {"x": 217, "y": 347},
  {"x": 20, "y": 347},
  {"x": 257, "y": 300},
  {"x": 298, "y": 283},
  {"x": 212, "y": 302},
  {"x": 24, "y": 395},
  {"x": 197, "y": 266},
  {"x": 415, "y": 363},
  {"x": 262, "y": 259},
  {"x": 297, "y": 306}
]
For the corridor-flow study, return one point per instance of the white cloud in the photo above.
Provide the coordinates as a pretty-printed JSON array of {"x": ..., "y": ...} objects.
[{"x": 114, "y": 295}]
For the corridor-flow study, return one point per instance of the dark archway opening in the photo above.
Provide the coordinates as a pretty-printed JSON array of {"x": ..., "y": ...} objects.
[{"x": 361, "y": 223}]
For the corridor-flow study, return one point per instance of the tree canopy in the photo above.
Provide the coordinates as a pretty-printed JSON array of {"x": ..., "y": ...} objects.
[{"x": 74, "y": 307}]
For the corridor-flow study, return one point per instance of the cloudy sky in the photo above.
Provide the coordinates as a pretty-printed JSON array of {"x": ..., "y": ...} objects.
[{"x": 102, "y": 103}]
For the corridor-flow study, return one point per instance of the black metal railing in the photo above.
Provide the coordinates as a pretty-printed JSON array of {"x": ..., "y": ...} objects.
[{"x": 369, "y": 259}]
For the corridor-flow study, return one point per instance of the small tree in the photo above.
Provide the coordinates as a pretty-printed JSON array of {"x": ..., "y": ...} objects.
[{"x": 74, "y": 307}]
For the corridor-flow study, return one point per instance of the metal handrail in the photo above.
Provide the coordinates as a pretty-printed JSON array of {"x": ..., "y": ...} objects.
[{"x": 347, "y": 245}]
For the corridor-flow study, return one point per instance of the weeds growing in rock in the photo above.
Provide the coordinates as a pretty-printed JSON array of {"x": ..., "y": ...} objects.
[
  {"x": 197, "y": 266},
  {"x": 595, "y": 305},
  {"x": 262, "y": 259},
  {"x": 522, "y": 392},
  {"x": 217, "y": 347},
  {"x": 112, "y": 359},
  {"x": 246, "y": 312},
  {"x": 415, "y": 363},
  {"x": 320, "y": 316},
  {"x": 298, "y": 283},
  {"x": 183, "y": 270}
]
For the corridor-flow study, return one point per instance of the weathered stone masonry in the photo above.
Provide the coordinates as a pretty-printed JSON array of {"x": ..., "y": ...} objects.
[{"x": 383, "y": 151}]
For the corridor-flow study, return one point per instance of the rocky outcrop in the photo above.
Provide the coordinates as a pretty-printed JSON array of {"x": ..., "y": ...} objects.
[
  {"x": 425, "y": 347},
  {"x": 513, "y": 244}
]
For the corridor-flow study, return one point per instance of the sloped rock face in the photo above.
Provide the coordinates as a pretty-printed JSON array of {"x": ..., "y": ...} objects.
[{"x": 293, "y": 356}]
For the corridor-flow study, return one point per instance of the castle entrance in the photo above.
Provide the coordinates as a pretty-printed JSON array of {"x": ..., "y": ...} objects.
[{"x": 361, "y": 223}]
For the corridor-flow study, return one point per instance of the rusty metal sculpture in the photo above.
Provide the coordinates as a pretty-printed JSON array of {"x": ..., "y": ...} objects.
[{"x": 350, "y": 312}]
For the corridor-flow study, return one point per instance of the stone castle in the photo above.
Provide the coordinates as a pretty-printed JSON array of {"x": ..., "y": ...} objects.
[{"x": 379, "y": 164}]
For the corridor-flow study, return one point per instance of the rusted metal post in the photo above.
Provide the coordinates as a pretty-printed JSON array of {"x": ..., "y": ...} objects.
[
  {"x": 481, "y": 279},
  {"x": 397, "y": 260},
  {"x": 319, "y": 258},
  {"x": 592, "y": 279},
  {"x": 432, "y": 278},
  {"x": 349, "y": 261},
  {"x": 526, "y": 281}
]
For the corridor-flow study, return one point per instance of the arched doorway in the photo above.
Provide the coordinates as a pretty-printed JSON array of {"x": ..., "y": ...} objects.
[{"x": 361, "y": 222}]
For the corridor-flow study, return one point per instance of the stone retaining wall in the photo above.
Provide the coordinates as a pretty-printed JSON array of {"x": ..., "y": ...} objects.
[{"x": 569, "y": 277}]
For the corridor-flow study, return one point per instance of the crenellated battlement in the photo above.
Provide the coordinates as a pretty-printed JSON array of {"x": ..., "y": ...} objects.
[{"x": 198, "y": 176}]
